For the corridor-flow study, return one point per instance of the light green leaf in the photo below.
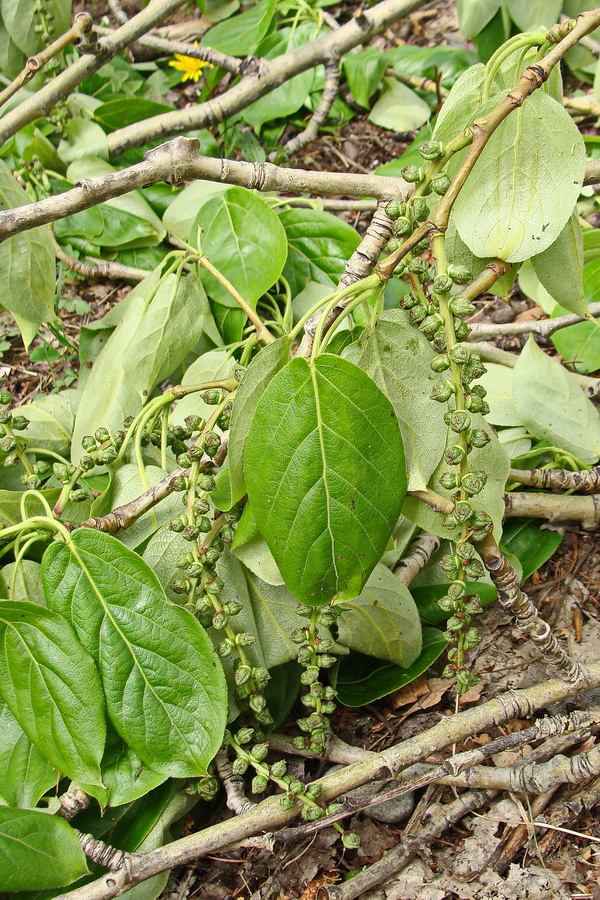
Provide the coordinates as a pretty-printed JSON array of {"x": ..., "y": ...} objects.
[
  {"x": 461, "y": 104},
  {"x": 264, "y": 366},
  {"x": 325, "y": 474},
  {"x": 10, "y": 505},
  {"x": 319, "y": 247},
  {"x": 161, "y": 553},
  {"x": 580, "y": 345},
  {"x": 498, "y": 382},
  {"x": 524, "y": 186},
  {"x": 398, "y": 108},
  {"x": 24, "y": 584},
  {"x": 82, "y": 137},
  {"x": 241, "y": 34},
  {"x": 164, "y": 685},
  {"x": 38, "y": 851},
  {"x": 560, "y": 268},
  {"x": 25, "y": 774},
  {"x": 552, "y": 405},
  {"x": 20, "y": 23},
  {"x": 51, "y": 418},
  {"x": 384, "y": 621},
  {"x": 165, "y": 318},
  {"x": 245, "y": 241},
  {"x": 181, "y": 213},
  {"x": 535, "y": 13},
  {"x": 493, "y": 460},
  {"x": 397, "y": 357},
  {"x": 27, "y": 266},
  {"x": 515, "y": 441},
  {"x": 51, "y": 687},
  {"x": 532, "y": 287},
  {"x": 363, "y": 71},
  {"x": 212, "y": 366},
  {"x": 276, "y": 616},
  {"x": 474, "y": 15},
  {"x": 257, "y": 557}
]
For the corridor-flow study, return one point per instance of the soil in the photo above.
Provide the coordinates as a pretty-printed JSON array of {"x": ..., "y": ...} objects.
[{"x": 495, "y": 853}]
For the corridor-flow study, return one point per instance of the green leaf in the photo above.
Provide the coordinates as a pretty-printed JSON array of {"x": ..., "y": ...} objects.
[
  {"x": 257, "y": 557},
  {"x": 38, "y": 851},
  {"x": 384, "y": 621},
  {"x": 164, "y": 320},
  {"x": 164, "y": 686},
  {"x": 240, "y": 35},
  {"x": 27, "y": 266},
  {"x": 82, "y": 137},
  {"x": 264, "y": 366},
  {"x": 552, "y": 405},
  {"x": 474, "y": 15},
  {"x": 493, "y": 460},
  {"x": 51, "y": 686},
  {"x": 282, "y": 690},
  {"x": 532, "y": 544},
  {"x": 161, "y": 553},
  {"x": 123, "y": 111},
  {"x": 25, "y": 774},
  {"x": 276, "y": 616},
  {"x": 521, "y": 192},
  {"x": 245, "y": 241},
  {"x": 10, "y": 505},
  {"x": 20, "y": 23},
  {"x": 24, "y": 584},
  {"x": 579, "y": 345},
  {"x": 498, "y": 383},
  {"x": 443, "y": 62},
  {"x": 535, "y": 13},
  {"x": 398, "y": 108},
  {"x": 560, "y": 268},
  {"x": 124, "y": 775},
  {"x": 461, "y": 104},
  {"x": 397, "y": 357},
  {"x": 325, "y": 474},
  {"x": 363, "y": 679},
  {"x": 181, "y": 213},
  {"x": 51, "y": 418},
  {"x": 363, "y": 72},
  {"x": 286, "y": 99},
  {"x": 212, "y": 366},
  {"x": 319, "y": 245}
]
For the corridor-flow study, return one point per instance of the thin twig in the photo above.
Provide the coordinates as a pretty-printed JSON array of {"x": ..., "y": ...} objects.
[
  {"x": 543, "y": 327},
  {"x": 330, "y": 90},
  {"x": 104, "y": 268}
]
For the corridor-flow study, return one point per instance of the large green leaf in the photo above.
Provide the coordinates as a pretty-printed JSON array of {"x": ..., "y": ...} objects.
[
  {"x": 384, "y": 621},
  {"x": 399, "y": 108},
  {"x": 22, "y": 581},
  {"x": 473, "y": 15},
  {"x": 534, "y": 13},
  {"x": 164, "y": 686},
  {"x": 260, "y": 372},
  {"x": 460, "y": 104},
  {"x": 124, "y": 775},
  {"x": 51, "y": 418},
  {"x": 553, "y": 406},
  {"x": 531, "y": 543},
  {"x": 38, "y": 851},
  {"x": 164, "y": 320},
  {"x": 240, "y": 35},
  {"x": 525, "y": 184},
  {"x": 51, "y": 687},
  {"x": 25, "y": 773},
  {"x": 560, "y": 268},
  {"x": 27, "y": 266},
  {"x": 244, "y": 240},
  {"x": 319, "y": 247},
  {"x": 325, "y": 474},
  {"x": 363, "y": 71},
  {"x": 397, "y": 357}
]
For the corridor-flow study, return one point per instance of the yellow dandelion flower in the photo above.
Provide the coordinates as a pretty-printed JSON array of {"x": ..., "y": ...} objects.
[{"x": 189, "y": 65}]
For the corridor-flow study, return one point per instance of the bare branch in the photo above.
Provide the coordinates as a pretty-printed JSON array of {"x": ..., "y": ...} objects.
[
  {"x": 585, "y": 510},
  {"x": 584, "y": 482},
  {"x": 543, "y": 327},
  {"x": 105, "y": 268},
  {"x": 177, "y": 161},
  {"x": 332, "y": 83},
  {"x": 420, "y": 552}
]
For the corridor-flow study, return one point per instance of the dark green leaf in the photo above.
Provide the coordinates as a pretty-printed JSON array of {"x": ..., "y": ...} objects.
[
  {"x": 164, "y": 685},
  {"x": 51, "y": 687},
  {"x": 38, "y": 851},
  {"x": 319, "y": 247},
  {"x": 363, "y": 71},
  {"x": 25, "y": 774},
  {"x": 124, "y": 111},
  {"x": 240, "y": 35},
  {"x": 362, "y": 679},
  {"x": 325, "y": 474},
  {"x": 531, "y": 544},
  {"x": 282, "y": 690}
]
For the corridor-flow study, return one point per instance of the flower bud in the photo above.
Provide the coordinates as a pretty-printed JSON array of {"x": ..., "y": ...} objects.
[
  {"x": 454, "y": 455},
  {"x": 184, "y": 460},
  {"x": 102, "y": 435},
  {"x": 200, "y": 506},
  {"x": 461, "y": 307},
  {"x": 395, "y": 208},
  {"x": 442, "y": 392},
  {"x": 257, "y": 702},
  {"x": 450, "y": 521},
  {"x": 109, "y": 455},
  {"x": 194, "y": 423},
  {"x": 441, "y": 183},
  {"x": 260, "y": 752},
  {"x": 211, "y": 556},
  {"x": 326, "y": 661},
  {"x": 19, "y": 423},
  {"x": 473, "y": 482},
  {"x": 392, "y": 245},
  {"x": 461, "y": 330},
  {"x": 312, "y": 813},
  {"x": 212, "y": 397},
  {"x": 350, "y": 840},
  {"x": 206, "y": 483},
  {"x": 421, "y": 246},
  {"x": 418, "y": 265},
  {"x": 459, "y": 274},
  {"x": 431, "y": 150},
  {"x": 420, "y": 208},
  {"x": 449, "y": 480},
  {"x": 86, "y": 463},
  {"x": 89, "y": 443},
  {"x": 278, "y": 769},
  {"x": 41, "y": 467},
  {"x": 402, "y": 226},
  {"x": 239, "y": 766},
  {"x": 412, "y": 174},
  {"x": 190, "y": 533},
  {"x": 430, "y": 325},
  {"x": 61, "y": 472},
  {"x": 442, "y": 284},
  {"x": 472, "y": 604},
  {"x": 471, "y": 638},
  {"x": 285, "y": 800},
  {"x": 259, "y": 784},
  {"x": 439, "y": 341},
  {"x": 446, "y": 604},
  {"x": 225, "y": 648},
  {"x": 8, "y": 444},
  {"x": 5, "y": 398},
  {"x": 261, "y": 676},
  {"x": 463, "y": 511},
  {"x": 458, "y": 420},
  {"x": 408, "y": 301},
  {"x": 310, "y": 676},
  {"x": 474, "y": 569},
  {"x": 416, "y": 314},
  {"x": 457, "y": 590},
  {"x": 479, "y": 438},
  {"x": 219, "y": 621},
  {"x": 78, "y": 495}
]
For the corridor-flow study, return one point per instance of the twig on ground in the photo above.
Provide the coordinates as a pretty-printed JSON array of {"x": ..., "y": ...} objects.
[
  {"x": 99, "y": 268},
  {"x": 234, "y": 785}
]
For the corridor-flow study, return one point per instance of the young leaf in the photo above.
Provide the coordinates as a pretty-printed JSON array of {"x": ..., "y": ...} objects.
[
  {"x": 27, "y": 266},
  {"x": 244, "y": 240},
  {"x": 552, "y": 405},
  {"x": 560, "y": 268},
  {"x": 51, "y": 687},
  {"x": 396, "y": 356},
  {"x": 164, "y": 686},
  {"x": 25, "y": 774},
  {"x": 262, "y": 369},
  {"x": 521, "y": 192},
  {"x": 384, "y": 621},
  {"x": 325, "y": 473},
  {"x": 38, "y": 851}
]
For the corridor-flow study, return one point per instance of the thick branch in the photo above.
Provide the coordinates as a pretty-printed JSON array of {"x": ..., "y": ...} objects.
[
  {"x": 585, "y": 510},
  {"x": 270, "y": 815},
  {"x": 178, "y": 161},
  {"x": 359, "y": 30},
  {"x": 584, "y": 482},
  {"x": 543, "y": 327},
  {"x": 44, "y": 100}
]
